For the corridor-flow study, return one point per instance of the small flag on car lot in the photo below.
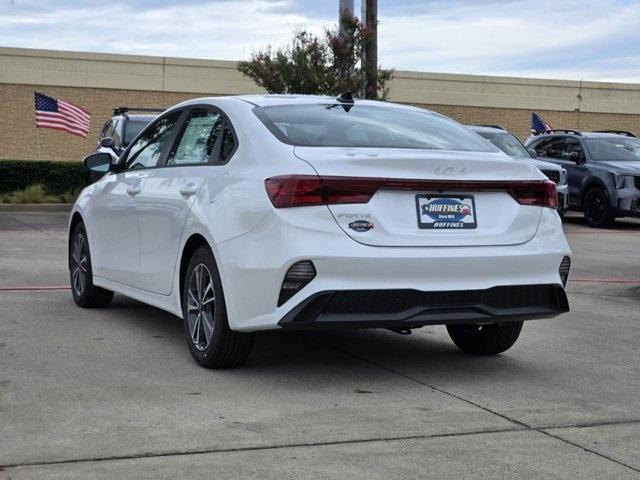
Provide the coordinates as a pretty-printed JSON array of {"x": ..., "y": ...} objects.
[
  {"x": 60, "y": 115},
  {"x": 538, "y": 125}
]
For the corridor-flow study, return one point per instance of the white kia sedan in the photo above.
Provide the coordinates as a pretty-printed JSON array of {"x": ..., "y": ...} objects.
[{"x": 250, "y": 213}]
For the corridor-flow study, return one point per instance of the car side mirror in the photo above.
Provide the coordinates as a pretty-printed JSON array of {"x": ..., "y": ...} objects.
[
  {"x": 98, "y": 163},
  {"x": 108, "y": 142},
  {"x": 532, "y": 152}
]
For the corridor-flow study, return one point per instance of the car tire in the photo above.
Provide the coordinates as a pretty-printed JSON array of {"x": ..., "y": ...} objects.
[
  {"x": 485, "y": 339},
  {"x": 596, "y": 209},
  {"x": 211, "y": 341},
  {"x": 85, "y": 293}
]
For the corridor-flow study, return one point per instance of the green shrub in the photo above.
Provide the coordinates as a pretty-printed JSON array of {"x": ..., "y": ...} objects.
[
  {"x": 56, "y": 178},
  {"x": 33, "y": 194},
  {"x": 37, "y": 194}
]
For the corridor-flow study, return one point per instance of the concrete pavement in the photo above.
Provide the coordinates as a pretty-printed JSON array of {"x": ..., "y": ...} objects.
[{"x": 113, "y": 393}]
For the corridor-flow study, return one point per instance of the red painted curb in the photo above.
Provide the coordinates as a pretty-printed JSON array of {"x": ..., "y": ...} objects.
[
  {"x": 36, "y": 288},
  {"x": 628, "y": 281}
]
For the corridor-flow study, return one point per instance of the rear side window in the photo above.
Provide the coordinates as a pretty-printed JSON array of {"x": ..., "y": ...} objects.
[
  {"x": 336, "y": 125},
  {"x": 133, "y": 128},
  {"x": 228, "y": 143},
  {"x": 507, "y": 143},
  {"x": 199, "y": 139}
]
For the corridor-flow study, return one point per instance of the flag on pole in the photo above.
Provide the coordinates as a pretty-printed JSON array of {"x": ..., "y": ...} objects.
[
  {"x": 538, "y": 125},
  {"x": 60, "y": 115}
]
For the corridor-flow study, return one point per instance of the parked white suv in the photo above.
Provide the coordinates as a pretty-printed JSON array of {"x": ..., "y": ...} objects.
[{"x": 250, "y": 213}]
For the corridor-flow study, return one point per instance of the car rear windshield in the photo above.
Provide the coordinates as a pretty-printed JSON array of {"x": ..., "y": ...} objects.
[
  {"x": 133, "y": 128},
  {"x": 507, "y": 143},
  {"x": 337, "y": 125},
  {"x": 614, "y": 149}
]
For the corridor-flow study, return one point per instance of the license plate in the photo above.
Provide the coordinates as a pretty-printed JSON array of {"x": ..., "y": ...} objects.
[{"x": 446, "y": 212}]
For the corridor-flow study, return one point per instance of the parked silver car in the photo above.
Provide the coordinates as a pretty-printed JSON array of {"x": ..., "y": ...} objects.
[{"x": 509, "y": 144}]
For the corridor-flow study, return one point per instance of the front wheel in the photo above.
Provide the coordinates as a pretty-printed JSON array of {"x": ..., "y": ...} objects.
[
  {"x": 211, "y": 342},
  {"x": 485, "y": 339},
  {"x": 596, "y": 209}
]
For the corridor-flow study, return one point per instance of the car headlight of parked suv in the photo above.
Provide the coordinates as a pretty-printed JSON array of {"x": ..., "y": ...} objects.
[
  {"x": 624, "y": 181},
  {"x": 563, "y": 177}
]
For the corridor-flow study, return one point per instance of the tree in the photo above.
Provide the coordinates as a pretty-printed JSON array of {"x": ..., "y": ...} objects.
[{"x": 317, "y": 65}]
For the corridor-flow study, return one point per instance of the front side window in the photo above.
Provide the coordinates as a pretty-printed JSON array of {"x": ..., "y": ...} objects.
[
  {"x": 115, "y": 134},
  {"x": 337, "y": 125},
  {"x": 551, "y": 147},
  {"x": 507, "y": 143},
  {"x": 105, "y": 129},
  {"x": 573, "y": 150},
  {"x": 147, "y": 151},
  {"x": 199, "y": 138},
  {"x": 614, "y": 149}
]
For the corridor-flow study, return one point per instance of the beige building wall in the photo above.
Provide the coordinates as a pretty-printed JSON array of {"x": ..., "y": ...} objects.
[{"x": 100, "y": 82}]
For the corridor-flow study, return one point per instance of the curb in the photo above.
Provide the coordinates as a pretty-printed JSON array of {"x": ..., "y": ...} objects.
[{"x": 36, "y": 207}]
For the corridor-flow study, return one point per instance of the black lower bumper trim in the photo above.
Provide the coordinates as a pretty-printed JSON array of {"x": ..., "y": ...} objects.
[{"x": 414, "y": 308}]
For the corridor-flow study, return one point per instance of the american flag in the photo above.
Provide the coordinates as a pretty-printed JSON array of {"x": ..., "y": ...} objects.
[
  {"x": 538, "y": 125},
  {"x": 60, "y": 115}
]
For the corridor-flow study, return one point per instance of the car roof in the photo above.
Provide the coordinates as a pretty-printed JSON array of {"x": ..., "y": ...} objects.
[
  {"x": 141, "y": 117},
  {"x": 582, "y": 135},
  {"x": 269, "y": 100},
  {"x": 484, "y": 129}
]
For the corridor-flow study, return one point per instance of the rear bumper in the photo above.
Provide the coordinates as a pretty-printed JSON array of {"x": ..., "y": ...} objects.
[
  {"x": 253, "y": 267},
  {"x": 414, "y": 308}
]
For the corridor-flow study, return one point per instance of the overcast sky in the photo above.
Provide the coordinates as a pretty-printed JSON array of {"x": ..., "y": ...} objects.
[{"x": 572, "y": 39}]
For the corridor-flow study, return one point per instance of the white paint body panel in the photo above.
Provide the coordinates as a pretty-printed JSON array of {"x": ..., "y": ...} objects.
[{"x": 137, "y": 241}]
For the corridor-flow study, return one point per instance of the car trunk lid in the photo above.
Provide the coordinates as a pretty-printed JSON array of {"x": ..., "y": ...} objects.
[{"x": 429, "y": 198}]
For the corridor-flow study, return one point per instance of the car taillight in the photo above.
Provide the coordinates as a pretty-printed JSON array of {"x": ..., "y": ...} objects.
[
  {"x": 306, "y": 190},
  {"x": 541, "y": 194}
]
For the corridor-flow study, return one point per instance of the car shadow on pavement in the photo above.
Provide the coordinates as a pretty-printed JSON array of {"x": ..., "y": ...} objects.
[
  {"x": 324, "y": 353},
  {"x": 626, "y": 223}
]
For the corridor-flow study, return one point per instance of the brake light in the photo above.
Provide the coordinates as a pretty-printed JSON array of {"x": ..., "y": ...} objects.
[
  {"x": 306, "y": 190},
  {"x": 541, "y": 194}
]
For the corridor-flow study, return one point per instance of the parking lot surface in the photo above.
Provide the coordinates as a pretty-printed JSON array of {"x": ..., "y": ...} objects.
[{"x": 114, "y": 393}]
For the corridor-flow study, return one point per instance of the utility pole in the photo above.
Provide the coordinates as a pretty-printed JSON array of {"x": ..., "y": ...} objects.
[{"x": 370, "y": 63}]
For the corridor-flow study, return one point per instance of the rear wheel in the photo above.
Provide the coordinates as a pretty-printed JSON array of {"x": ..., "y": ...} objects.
[
  {"x": 84, "y": 292},
  {"x": 485, "y": 339},
  {"x": 596, "y": 209},
  {"x": 211, "y": 342}
]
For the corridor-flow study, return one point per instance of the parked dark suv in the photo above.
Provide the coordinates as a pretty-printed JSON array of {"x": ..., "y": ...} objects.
[
  {"x": 603, "y": 170},
  {"x": 123, "y": 127}
]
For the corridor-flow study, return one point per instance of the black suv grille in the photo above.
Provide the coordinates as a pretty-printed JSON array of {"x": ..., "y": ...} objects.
[
  {"x": 636, "y": 180},
  {"x": 553, "y": 175}
]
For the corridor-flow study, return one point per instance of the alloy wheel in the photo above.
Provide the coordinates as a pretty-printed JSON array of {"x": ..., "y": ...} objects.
[
  {"x": 595, "y": 207},
  {"x": 79, "y": 264},
  {"x": 201, "y": 306}
]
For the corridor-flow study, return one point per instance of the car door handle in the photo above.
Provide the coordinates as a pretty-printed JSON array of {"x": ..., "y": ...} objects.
[
  {"x": 133, "y": 190},
  {"x": 189, "y": 189}
]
